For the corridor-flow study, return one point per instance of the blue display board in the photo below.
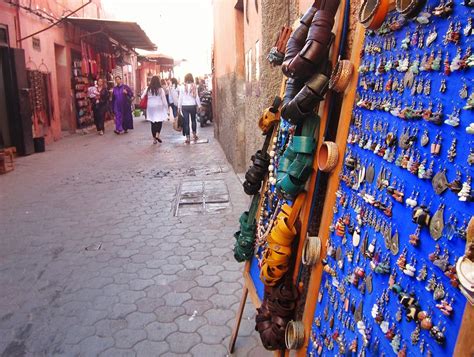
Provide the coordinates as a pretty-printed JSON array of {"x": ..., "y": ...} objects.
[
  {"x": 255, "y": 275},
  {"x": 376, "y": 249},
  {"x": 282, "y": 136}
]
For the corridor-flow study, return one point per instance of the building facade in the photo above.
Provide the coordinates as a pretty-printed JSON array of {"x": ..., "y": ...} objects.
[
  {"x": 51, "y": 52},
  {"x": 48, "y": 52}
]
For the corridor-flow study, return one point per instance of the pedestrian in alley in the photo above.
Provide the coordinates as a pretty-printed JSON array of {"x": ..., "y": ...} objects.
[
  {"x": 101, "y": 105},
  {"x": 174, "y": 96},
  {"x": 188, "y": 105},
  {"x": 165, "y": 87},
  {"x": 157, "y": 107},
  {"x": 122, "y": 97}
]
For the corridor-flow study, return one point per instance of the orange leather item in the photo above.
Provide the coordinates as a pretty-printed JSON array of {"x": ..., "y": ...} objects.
[{"x": 380, "y": 15}]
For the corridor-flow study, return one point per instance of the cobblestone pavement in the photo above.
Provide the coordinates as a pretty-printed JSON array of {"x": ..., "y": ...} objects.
[{"x": 149, "y": 283}]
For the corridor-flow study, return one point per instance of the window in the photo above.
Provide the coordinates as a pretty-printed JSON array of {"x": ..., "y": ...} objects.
[
  {"x": 3, "y": 35},
  {"x": 36, "y": 43},
  {"x": 248, "y": 66},
  {"x": 257, "y": 60}
]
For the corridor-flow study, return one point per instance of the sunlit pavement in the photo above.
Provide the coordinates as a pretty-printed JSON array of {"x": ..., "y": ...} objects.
[{"x": 93, "y": 260}]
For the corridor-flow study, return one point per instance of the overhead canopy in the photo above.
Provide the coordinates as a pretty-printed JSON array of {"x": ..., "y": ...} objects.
[
  {"x": 157, "y": 58},
  {"x": 128, "y": 33}
]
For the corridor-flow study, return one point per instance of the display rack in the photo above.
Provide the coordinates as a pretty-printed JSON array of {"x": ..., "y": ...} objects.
[
  {"x": 253, "y": 287},
  {"x": 80, "y": 85},
  {"x": 358, "y": 304}
]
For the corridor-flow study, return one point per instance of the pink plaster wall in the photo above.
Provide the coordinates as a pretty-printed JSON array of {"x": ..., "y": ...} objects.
[
  {"x": 22, "y": 23},
  {"x": 252, "y": 28},
  {"x": 304, "y": 5},
  {"x": 228, "y": 37}
]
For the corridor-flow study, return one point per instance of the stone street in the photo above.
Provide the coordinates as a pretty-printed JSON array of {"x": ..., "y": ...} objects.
[{"x": 99, "y": 256}]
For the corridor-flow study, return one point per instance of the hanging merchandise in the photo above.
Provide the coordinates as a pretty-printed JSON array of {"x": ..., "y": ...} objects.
[
  {"x": 277, "y": 52},
  {"x": 39, "y": 82},
  {"x": 280, "y": 172},
  {"x": 80, "y": 83},
  {"x": 399, "y": 263}
]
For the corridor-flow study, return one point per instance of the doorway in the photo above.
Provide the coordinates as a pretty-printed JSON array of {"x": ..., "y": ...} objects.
[
  {"x": 5, "y": 138},
  {"x": 16, "y": 94},
  {"x": 62, "y": 87}
]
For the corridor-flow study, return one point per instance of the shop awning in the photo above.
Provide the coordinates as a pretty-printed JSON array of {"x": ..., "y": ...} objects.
[
  {"x": 127, "y": 33},
  {"x": 157, "y": 58}
]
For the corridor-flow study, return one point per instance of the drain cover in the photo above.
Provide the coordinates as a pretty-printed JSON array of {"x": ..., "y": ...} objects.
[
  {"x": 202, "y": 197},
  {"x": 94, "y": 247}
]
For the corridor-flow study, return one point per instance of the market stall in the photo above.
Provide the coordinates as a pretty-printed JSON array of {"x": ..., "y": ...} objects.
[
  {"x": 283, "y": 179},
  {"x": 390, "y": 259},
  {"x": 107, "y": 46}
]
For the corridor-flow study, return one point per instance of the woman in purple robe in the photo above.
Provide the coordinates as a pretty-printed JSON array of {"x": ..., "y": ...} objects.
[{"x": 121, "y": 103}]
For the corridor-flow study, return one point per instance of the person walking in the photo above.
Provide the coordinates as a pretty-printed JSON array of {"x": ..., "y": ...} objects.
[
  {"x": 101, "y": 106},
  {"x": 92, "y": 93},
  {"x": 165, "y": 87},
  {"x": 174, "y": 96},
  {"x": 188, "y": 105},
  {"x": 157, "y": 107},
  {"x": 122, "y": 97}
]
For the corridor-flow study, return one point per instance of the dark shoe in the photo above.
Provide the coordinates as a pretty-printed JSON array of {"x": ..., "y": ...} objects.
[
  {"x": 117, "y": 132},
  {"x": 293, "y": 87},
  {"x": 298, "y": 37},
  {"x": 318, "y": 42},
  {"x": 303, "y": 104}
]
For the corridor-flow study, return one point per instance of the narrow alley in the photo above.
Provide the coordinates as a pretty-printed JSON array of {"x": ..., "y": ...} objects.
[{"x": 108, "y": 249}]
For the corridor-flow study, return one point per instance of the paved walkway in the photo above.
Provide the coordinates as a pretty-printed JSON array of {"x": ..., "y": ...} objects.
[{"x": 149, "y": 283}]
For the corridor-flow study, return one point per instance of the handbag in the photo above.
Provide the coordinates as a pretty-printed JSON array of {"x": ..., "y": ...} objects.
[
  {"x": 144, "y": 102},
  {"x": 178, "y": 123}
]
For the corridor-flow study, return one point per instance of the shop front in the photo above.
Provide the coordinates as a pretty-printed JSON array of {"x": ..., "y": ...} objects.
[
  {"x": 106, "y": 52},
  {"x": 153, "y": 64}
]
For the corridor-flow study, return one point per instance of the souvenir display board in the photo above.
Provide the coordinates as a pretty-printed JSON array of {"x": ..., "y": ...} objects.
[
  {"x": 390, "y": 284},
  {"x": 272, "y": 235},
  {"x": 270, "y": 202}
]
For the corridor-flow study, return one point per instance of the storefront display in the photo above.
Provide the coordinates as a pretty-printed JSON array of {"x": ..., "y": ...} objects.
[
  {"x": 80, "y": 85},
  {"x": 39, "y": 82},
  {"x": 394, "y": 270},
  {"x": 87, "y": 67},
  {"x": 285, "y": 170},
  {"x": 391, "y": 283}
]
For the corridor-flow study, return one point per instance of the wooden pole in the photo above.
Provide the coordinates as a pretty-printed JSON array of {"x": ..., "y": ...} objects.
[
  {"x": 238, "y": 319},
  {"x": 465, "y": 342}
]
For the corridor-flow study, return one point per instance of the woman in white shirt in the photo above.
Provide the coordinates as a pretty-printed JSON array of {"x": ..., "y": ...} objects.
[
  {"x": 157, "y": 107},
  {"x": 174, "y": 96},
  {"x": 188, "y": 105}
]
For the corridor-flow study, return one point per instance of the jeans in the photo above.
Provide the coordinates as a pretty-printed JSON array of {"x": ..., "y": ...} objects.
[
  {"x": 189, "y": 112},
  {"x": 175, "y": 110},
  {"x": 156, "y": 128}
]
